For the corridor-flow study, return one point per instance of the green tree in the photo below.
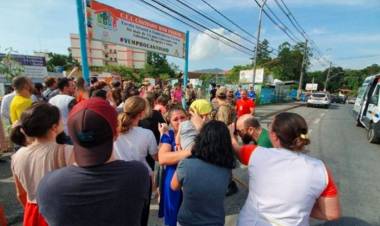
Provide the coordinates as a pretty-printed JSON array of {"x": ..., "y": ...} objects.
[
  {"x": 206, "y": 79},
  {"x": 263, "y": 53},
  {"x": 158, "y": 65},
  {"x": 125, "y": 72},
  {"x": 342, "y": 78},
  {"x": 67, "y": 62},
  {"x": 9, "y": 67},
  {"x": 287, "y": 64}
]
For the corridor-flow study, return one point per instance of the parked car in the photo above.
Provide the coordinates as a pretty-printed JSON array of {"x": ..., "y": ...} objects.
[
  {"x": 338, "y": 99},
  {"x": 320, "y": 99},
  {"x": 366, "y": 109},
  {"x": 351, "y": 100}
]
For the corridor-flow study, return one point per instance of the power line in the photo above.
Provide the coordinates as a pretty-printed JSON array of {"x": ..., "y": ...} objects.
[
  {"x": 284, "y": 8},
  {"x": 287, "y": 30},
  {"x": 295, "y": 20},
  {"x": 183, "y": 9},
  {"x": 276, "y": 24},
  {"x": 235, "y": 24},
  {"x": 215, "y": 22},
  {"x": 290, "y": 19},
  {"x": 271, "y": 49},
  {"x": 198, "y": 24},
  {"x": 229, "y": 20},
  {"x": 196, "y": 27}
]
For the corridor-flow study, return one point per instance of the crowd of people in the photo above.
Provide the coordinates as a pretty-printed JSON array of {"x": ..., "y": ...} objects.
[{"x": 97, "y": 155}]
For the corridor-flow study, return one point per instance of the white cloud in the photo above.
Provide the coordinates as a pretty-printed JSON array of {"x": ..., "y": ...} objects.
[
  {"x": 318, "y": 31},
  {"x": 204, "y": 47}
]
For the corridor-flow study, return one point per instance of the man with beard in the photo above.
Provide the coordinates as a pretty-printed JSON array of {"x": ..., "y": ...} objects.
[{"x": 249, "y": 130}]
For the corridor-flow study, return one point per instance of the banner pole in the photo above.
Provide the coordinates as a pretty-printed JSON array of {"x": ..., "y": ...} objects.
[
  {"x": 82, "y": 37},
  {"x": 186, "y": 69}
]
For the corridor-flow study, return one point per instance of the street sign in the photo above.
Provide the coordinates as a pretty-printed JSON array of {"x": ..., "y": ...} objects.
[
  {"x": 34, "y": 66},
  {"x": 27, "y": 60},
  {"x": 246, "y": 76},
  {"x": 108, "y": 24},
  {"x": 311, "y": 86}
]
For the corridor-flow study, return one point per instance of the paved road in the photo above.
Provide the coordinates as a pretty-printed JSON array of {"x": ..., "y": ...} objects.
[
  {"x": 334, "y": 139},
  {"x": 354, "y": 162}
]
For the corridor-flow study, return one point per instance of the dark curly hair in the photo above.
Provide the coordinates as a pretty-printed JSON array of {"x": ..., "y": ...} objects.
[{"x": 213, "y": 145}]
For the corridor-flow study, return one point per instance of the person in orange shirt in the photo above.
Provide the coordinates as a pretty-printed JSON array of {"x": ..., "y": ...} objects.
[{"x": 245, "y": 105}]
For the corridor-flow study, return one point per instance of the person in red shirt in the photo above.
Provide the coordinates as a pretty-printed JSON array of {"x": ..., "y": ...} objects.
[{"x": 244, "y": 105}]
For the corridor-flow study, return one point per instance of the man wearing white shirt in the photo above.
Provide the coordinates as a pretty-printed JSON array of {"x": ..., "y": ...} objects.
[
  {"x": 65, "y": 100},
  {"x": 5, "y": 106}
]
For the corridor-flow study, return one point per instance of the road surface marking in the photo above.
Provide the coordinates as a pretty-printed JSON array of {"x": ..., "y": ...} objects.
[{"x": 317, "y": 121}]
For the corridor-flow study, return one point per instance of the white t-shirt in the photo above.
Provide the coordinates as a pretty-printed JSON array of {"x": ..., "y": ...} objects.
[
  {"x": 62, "y": 102},
  {"x": 6, "y": 105},
  {"x": 136, "y": 144},
  {"x": 283, "y": 187}
]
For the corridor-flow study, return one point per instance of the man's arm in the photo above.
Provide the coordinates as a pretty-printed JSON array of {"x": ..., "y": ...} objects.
[{"x": 234, "y": 141}]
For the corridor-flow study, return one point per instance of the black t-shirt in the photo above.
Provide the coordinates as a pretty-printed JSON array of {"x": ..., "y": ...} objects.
[
  {"x": 116, "y": 193},
  {"x": 152, "y": 124}
]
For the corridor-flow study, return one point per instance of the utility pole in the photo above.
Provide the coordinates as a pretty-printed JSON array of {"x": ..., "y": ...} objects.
[
  {"x": 302, "y": 69},
  {"x": 327, "y": 77},
  {"x": 258, "y": 42}
]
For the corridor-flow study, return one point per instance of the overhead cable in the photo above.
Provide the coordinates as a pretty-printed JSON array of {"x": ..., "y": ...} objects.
[{"x": 196, "y": 27}]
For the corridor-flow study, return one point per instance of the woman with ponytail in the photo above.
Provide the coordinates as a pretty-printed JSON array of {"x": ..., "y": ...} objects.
[
  {"x": 287, "y": 186},
  {"x": 37, "y": 131},
  {"x": 134, "y": 142}
]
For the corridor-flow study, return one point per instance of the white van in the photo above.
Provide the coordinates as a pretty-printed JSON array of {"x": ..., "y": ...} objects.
[{"x": 367, "y": 107}]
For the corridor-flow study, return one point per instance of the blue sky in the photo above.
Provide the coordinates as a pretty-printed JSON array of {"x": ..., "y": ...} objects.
[{"x": 342, "y": 29}]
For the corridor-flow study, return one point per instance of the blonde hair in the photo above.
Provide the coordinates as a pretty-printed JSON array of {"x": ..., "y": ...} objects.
[{"x": 133, "y": 106}]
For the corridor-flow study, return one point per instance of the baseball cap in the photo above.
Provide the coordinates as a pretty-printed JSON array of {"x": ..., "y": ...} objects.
[
  {"x": 201, "y": 107},
  {"x": 92, "y": 125},
  {"x": 221, "y": 92}
]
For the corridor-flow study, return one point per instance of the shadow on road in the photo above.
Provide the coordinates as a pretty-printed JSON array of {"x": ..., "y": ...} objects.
[
  {"x": 346, "y": 221},
  {"x": 335, "y": 106}
]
